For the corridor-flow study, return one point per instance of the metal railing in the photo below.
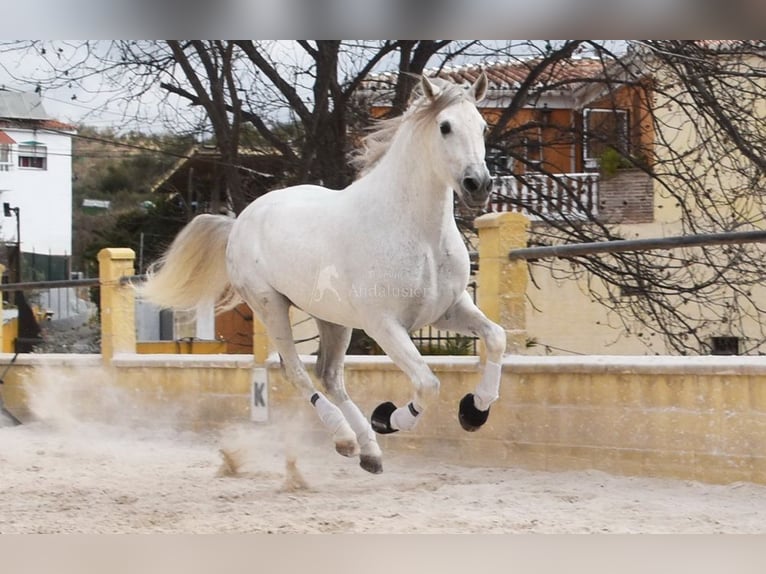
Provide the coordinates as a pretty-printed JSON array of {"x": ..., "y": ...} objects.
[
  {"x": 57, "y": 283},
  {"x": 56, "y": 315},
  {"x": 432, "y": 341},
  {"x": 646, "y": 244},
  {"x": 429, "y": 340}
]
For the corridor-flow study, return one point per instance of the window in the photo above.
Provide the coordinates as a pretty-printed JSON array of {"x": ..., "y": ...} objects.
[
  {"x": 526, "y": 151},
  {"x": 533, "y": 153},
  {"x": 604, "y": 129},
  {"x": 33, "y": 155},
  {"x": 5, "y": 150},
  {"x": 632, "y": 291},
  {"x": 5, "y": 157},
  {"x": 724, "y": 346},
  {"x": 498, "y": 162}
]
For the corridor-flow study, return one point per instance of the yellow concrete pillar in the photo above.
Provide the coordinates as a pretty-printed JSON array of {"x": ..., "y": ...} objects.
[
  {"x": 502, "y": 284},
  {"x": 260, "y": 342},
  {"x": 2, "y": 321},
  {"x": 118, "y": 313}
]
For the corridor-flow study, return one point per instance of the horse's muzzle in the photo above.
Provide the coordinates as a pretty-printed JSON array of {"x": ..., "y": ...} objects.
[{"x": 476, "y": 185}]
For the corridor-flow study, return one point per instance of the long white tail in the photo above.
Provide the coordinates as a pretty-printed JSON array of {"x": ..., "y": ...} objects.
[{"x": 193, "y": 269}]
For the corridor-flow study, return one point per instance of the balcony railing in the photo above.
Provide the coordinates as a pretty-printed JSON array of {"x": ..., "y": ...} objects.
[{"x": 540, "y": 196}]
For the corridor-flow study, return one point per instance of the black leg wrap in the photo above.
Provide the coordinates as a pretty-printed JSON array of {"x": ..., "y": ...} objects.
[
  {"x": 470, "y": 417},
  {"x": 381, "y": 418}
]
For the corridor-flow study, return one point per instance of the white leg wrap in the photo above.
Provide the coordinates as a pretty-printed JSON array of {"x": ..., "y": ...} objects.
[
  {"x": 489, "y": 387},
  {"x": 405, "y": 418},
  {"x": 330, "y": 415},
  {"x": 358, "y": 422}
]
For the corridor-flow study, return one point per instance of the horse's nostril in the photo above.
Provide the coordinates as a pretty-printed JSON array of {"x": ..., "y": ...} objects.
[{"x": 470, "y": 184}]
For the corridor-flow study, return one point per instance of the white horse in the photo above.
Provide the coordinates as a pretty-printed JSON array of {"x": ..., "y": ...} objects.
[{"x": 383, "y": 255}]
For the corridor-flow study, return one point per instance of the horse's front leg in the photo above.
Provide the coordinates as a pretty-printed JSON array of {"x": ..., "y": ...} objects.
[
  {"x": 466, "y": 318},
  {"x": 396, "y": 343}
]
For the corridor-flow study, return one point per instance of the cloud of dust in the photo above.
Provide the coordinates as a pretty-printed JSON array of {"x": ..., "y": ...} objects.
[
  {"x": 75, "y": 398},
  {"x": 294, "y": 439},
  {"x": 93, "y": 403}
]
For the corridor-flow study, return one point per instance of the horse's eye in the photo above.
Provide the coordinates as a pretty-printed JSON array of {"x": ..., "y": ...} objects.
[{"x": 445, "y": 128}]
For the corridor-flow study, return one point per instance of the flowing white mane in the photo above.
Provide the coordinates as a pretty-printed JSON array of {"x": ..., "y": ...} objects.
[{"x": 420, "y": 111}]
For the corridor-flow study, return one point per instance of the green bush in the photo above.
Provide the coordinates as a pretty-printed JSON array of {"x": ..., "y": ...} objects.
[{"x": 611, "y": 161}]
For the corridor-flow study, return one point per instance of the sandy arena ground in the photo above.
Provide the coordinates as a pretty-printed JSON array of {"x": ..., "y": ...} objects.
[{"x": 60, "y": 475}]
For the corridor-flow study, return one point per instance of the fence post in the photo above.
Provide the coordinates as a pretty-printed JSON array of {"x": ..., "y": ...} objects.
[
  {"x": 2, "y": 320},
  {"x": 502, "y": 284},
  {"x": 118, "y": 312},
  {"x": 260, "y": 342}
]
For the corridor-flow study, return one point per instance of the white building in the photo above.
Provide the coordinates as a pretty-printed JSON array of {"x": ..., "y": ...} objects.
[{"x": 35, "y": 176}]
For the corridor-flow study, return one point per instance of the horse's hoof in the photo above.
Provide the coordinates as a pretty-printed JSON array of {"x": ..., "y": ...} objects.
[
  {"x": 471, "y": 418},
  {"x": 373, "y": 464},
  {"x": 381, "y": 418},
  {"x": 347, "y": 448}
]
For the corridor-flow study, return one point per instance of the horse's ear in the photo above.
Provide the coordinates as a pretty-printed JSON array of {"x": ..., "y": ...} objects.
[
  {"x": 430, "y": 89},
  {"x": 479, "y": 87}
]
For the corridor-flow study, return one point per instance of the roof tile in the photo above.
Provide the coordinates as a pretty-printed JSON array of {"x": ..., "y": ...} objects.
[{"x": 506, "y": 74}]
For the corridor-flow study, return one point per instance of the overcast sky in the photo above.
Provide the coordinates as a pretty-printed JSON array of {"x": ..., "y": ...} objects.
[
  {"x": 92, "y": 101},
  {"x": 87, "y": 101}
]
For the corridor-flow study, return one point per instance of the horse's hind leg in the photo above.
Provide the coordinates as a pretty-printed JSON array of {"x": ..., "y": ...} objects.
[
  {"x": 333, "y": 343},
  {"x": 274, "y": 310}
]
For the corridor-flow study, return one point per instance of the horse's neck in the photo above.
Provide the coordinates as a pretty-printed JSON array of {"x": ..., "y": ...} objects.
[{"x": 404, "y": 184}]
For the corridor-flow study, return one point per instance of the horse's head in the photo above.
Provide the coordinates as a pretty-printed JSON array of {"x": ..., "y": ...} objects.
[{"x": 456, "y": 135}]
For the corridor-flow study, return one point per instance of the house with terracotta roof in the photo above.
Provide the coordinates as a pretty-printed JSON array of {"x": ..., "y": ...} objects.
[
  {"x": 35, "y": 182},
  {"x": 548, "y": 155},
  {"x": 578, "y": 146}
]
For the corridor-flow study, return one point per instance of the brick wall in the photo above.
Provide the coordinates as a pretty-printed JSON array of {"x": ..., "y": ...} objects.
[{"x": 626, "y": 197}]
